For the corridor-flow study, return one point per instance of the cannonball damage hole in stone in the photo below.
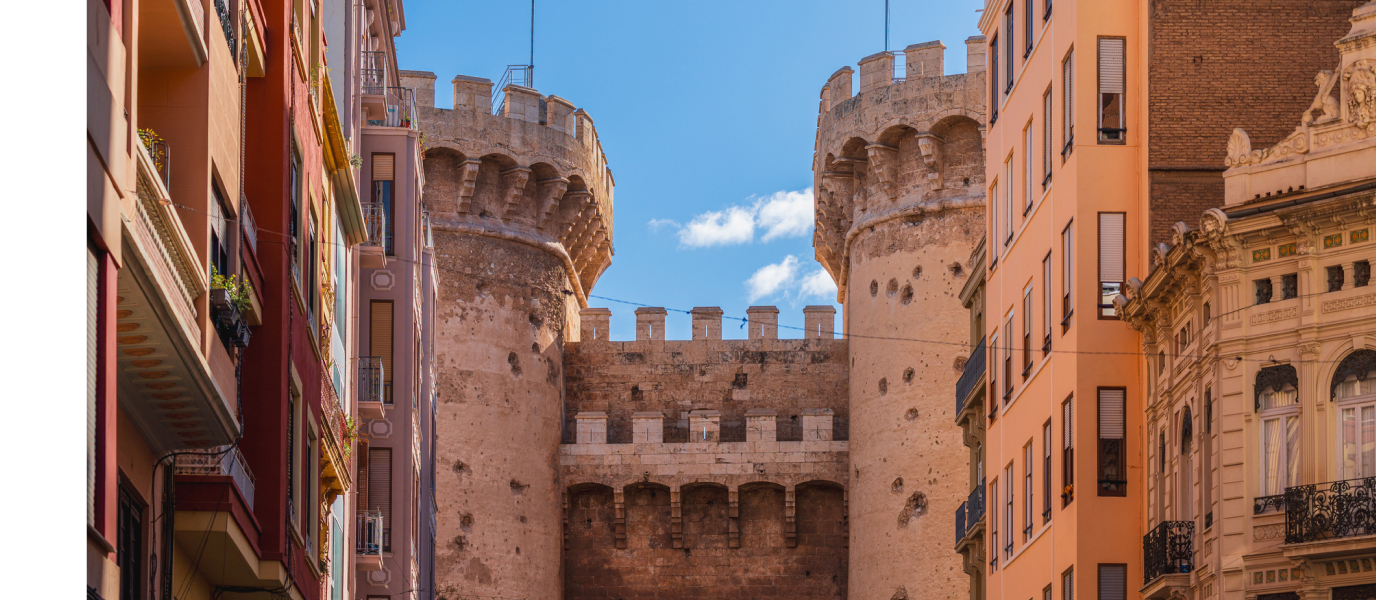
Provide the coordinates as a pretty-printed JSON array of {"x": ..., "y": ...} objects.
[
  {"x": 741, "y": 380},
  {"x": 519, "y": 488},
  {"x": 883, "y": 386},
  {"x": 916, "y": 506},
  {"x": 892, "y": 288},
  {"x": 960, "y": 362},
  {"x": 907, "y": 296},
  {"x": 461, "y": 467},
  {"x": 908, "y": 375},
  {"x": 466, "y": 521},
  {"x": 911, "y": 415},
  {"x": 956, "y": 269},
  {"x": 636, "y": 394},
  {"x": 917, "y": 272},
  {"x": 897, "y": 486},
  {"x": 874, "y": 288},
  {"x": 515, "y": 362}
]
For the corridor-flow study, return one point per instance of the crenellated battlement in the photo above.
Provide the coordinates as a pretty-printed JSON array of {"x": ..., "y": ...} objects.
[
  {"x": 534, "y": 173},
  {"x": 905, "y": 144},
  {"x": 762, "y": 323}
]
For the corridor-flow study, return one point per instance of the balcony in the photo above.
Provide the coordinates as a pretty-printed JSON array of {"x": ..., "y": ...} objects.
[
  {"x": 1325, "y": 519},
  {"x": 372, "y": 398},
  {"x": 372, "y": 72},
  {"x": 398, "y": 109},
  {"x": 371, "y": 536},
  {"x": 224, "y": 461},
  {"x": 969, "y": 379},
  {"x": 969, "y": 515},
  {"x": 374, "y": 249},
  {"x": 1168, "y": 558},
  {"x": 334, "y": 461}
]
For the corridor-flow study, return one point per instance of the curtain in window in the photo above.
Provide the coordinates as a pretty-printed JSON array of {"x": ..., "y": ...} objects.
[{"x": 1272, "y": 483}]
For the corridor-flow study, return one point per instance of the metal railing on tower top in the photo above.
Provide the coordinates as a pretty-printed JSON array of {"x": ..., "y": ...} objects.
[{"x": 522, "y": 75}]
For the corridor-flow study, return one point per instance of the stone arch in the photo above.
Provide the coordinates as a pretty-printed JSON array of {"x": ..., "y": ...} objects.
[
  {"x": 648, "y": 514},
  {"x": 444, "y": 179},
  {"x": 490, "y": 189},
  {"x": 591, "y": 517},
  {"x": 962, "y": 154},
  {"x": 761, "y": 515},
  {"x": 706, "y": 510},
  {"x": 1358, "y": 366}
]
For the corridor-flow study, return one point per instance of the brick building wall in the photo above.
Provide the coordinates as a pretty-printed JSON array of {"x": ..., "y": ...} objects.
[{"x": 1220, "y": 64}]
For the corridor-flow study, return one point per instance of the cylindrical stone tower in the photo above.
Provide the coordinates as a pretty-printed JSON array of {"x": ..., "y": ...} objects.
[
  {"x": 899, "y": 180},
  {"x": 520, "y": 205}
]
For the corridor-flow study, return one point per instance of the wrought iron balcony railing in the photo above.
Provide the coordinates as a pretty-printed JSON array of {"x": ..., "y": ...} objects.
[
  {"x": 371, "y": 535},
  {"x": 1333, "y": 510},
  {"x": 372, "y": 72},
  {"x": 960, "y": 523},
  {"x": 219, "y": 461},
  {"x": 970, "y": 512},
  {"x": 1265, "y": 504},
  {"x": 375, "y": 221},
  {"x": 370, "y": 379},
  {"x": 1168, "y": 549},
  {"x": 974, "y": 369}
]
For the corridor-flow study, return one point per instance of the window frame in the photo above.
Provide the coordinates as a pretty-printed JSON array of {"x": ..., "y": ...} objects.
[
  {"x": 1027, "y": 30},
  {"x": 1010, "y": 28},
  {"x": 1067, "y": 450},
  {"x": 1100, "y": 266},
  {"x": 1029, "y": 198},
  {"x": 1008, "y": 199},
  {"x": 1100, "y": 587},
  {"x": 995, "y": 98},
  {"x": 1008, "y": 511},
  {"x": 1046, "y": 305},
  {"x": 1027, "y": 491},
  {"x": 1100, "y": 105},
  {"x": 1121, "y": 485},
  {"x": 1068, "y": 105},
  {"x": 1046, "y": 471},
  {"x": 1047, "y": 109},
  {"x": 1027, "y": 312},
  {"x": 1356, "y": 403},
  {"x": 1067, "y": 275}
]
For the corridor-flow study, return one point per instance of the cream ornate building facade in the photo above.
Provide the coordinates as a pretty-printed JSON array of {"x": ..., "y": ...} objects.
[{"x": 1260, "y": 362}]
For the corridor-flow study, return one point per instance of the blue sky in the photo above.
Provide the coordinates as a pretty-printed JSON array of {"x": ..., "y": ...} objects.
[{"x": 707, "y": 111}]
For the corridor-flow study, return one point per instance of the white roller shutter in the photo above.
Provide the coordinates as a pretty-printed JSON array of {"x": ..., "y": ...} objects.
[
  {"x": 1111, "y": 65},
  {"x": 1113, "y": 582},
  {"x": 383, "y": 167},
  {"x": 380, "y": 484},
  {"x": 1111, "y": 257},
  {"x": 1112, "y": 414},
  {"x": 1068, "y": 423},
  {"x": 92, "y": 369}
]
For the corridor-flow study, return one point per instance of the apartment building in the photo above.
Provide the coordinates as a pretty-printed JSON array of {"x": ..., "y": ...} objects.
[
  {"x": 1255, "y": 322},
  {"x": 1106, "y": 119},
  {"x": 971, "y": 397},
  {"x": 397, "y": 295}
]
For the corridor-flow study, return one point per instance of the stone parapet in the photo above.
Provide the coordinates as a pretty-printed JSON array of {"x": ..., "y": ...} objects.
[{"x": 727, "y": 463}]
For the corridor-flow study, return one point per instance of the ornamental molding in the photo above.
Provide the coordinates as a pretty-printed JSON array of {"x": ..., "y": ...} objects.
[
  {"x": 1275, "y": 315},
  {"x": 1349, "y": 303}
]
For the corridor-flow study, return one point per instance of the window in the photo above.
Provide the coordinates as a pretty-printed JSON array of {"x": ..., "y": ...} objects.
[
  {"x": 1068, "y": 102},
  {"x": 1068, "y": 451},
  {"x": 1361, "y": 273},
  {"x": 994, "y": 223},
  {"x": 1027, "y": 154},
  {"x": 1208, "y": 315},
  {"x": 1207, "y": 476},
  {"x": 993, "y": 375},
  {"x": 1289, "y": 286},
  {"x": 1046, "y": 305},
  {"x": 1008, "y": 358},
  {"x": 1113, "y": 582},
  {"x": 1336, "y": 278},
  {"x": 1008, "y": 511},
  {"x": 1008, "y": 200},
  {"x": 994, "y": 522},
  {"x": 994, "y": 74},
  {"x": 1026, "y": 331},
  {"x": 1027, "y": 492},
  {"x": 1068, "y": 584},
  {"x": 1113, "y": 442},
  {"x": 312, "y": 270},
  {"x": 219, "y": 226},
  {"x": 1161, "y": 476},
  {"x": 1046, "y": 138},
  {"x": 311, "y": 504},
  {"x": 380, "y": 490},
  {"x": 1262, "y": 287},
  {"x": 1046, "y": 472},
  {"x": 383, "y": 174},
  {"x": 1185, "y": 506},
  {"x": 1027, "y": 31},
  {"x": 380, "y": 342},
  {"x": 1047, "y": 15},
  {"x": 293, "y": 457},
  {"x": 294, "y": 211},
  {"x": 1355, "y": 394},
  {"x": 1008, "y": 46},
  {"x": 129, "y": 545},
  {"x": 93, "y": 362},
  {"x": 1046, "y": 592},
  {"x": 1161, "y": 362},
  {"x": 1111, "y": 261},
  {"x": 1067, "y": 274},
  {"x": 1112, "y": 73}
]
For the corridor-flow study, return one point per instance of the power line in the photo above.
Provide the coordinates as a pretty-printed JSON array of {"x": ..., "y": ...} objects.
[{"x": 843, "y": 335}]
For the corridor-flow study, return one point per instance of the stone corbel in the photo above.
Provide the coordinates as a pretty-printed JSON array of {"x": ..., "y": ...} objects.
[
  {"x": 790, "y": 517},
  {"x": 884, "y": 161},
  {"x": 733, "y": 517},
  {"x": 548, "y": 194},
  {"x": 580, "y": 201},
  {"x": 676, "y": 516},
  {"x": 589, "y": 251},
  {"x": 934, "y": 155},
  {"x": 468, "y": 171},
  {"x": 619, "y": 525},
  {"x": 514, "y": 186}
]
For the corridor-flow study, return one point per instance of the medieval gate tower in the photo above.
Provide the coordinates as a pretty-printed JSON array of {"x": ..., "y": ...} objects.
[
  {"x": 520, "y": 204},
  {"x": 899, "y": 180}
]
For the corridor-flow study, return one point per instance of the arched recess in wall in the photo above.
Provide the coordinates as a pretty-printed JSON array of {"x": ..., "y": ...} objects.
[
  {"x": 909, "y": 171},
  {"x": 528, "y": 205},
  {"x": 762, "y": 516},
  {"x": 489, "y": 193},
  {"x": 962, "y": 156},
  {"x": 648, "y": 514},
  {"x": 591, "y": 517},
  {"x": 443, "y": 179},
  {"x": 706, "y": 515},
  {"x": 820, "y": 514}
]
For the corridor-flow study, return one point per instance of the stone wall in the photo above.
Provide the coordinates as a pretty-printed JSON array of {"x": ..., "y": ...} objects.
[{"x": 1222, "y": 64}]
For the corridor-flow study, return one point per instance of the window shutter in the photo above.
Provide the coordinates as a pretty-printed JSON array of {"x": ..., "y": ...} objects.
[
  {"x": 1112, "y": 414},
  {"x": 1068, "y": 97},
  {"x": 92, "y": 370},
  {"x": 1111, "y": 66},
  {"x": 1111, "y": 259},
  {"x": 380, "y": 336},
  {"x": 1068, "y": 421},
  {"x": 380, "y": 484},
  {"x": 383, "y": 169},
  {"x": 1068, "y": 586},
  {"x": 1046, "y": 135},
  {"x": 1113, "y": 582}
]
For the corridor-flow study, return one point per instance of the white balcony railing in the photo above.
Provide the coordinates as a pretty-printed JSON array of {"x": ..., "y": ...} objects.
[{"x": 217, "y": 461}]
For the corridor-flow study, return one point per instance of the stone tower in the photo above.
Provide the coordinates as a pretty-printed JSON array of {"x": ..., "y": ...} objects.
[
  {"x": 899, "y": 180},
  {"x": 520, "y": 204}
]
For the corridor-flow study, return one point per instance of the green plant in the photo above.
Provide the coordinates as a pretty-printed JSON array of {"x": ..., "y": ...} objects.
[
  {"x": 356, "y": 161},
  {"x": 150, "y": 140},
  {"x": 239, "y": 290},
  {"x": 350, "y": 436}
]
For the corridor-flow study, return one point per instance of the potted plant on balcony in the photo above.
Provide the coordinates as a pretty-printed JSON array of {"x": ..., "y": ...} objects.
[{"x": 229, "y": 297}]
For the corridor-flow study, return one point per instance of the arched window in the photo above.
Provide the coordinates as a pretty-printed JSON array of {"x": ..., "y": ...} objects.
[
  {"x": 1277, "y": 403},
  {"x": 1185, "y": 510},
  {"x": 1354, "y": 390}
]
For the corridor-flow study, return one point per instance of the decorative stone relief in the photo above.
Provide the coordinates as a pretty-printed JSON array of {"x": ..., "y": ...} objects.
[{"x": 1359, "y": 86}]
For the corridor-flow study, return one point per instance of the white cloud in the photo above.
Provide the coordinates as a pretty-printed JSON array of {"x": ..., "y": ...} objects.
[
  {"x": 783, "y": 214},
  {"x": 657, "y": 224},
  {"x": 819, "y": 284},
  {"x": 770, "y": 278}
]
